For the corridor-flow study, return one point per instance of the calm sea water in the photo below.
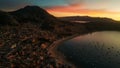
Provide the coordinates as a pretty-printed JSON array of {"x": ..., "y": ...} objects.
[{"x": 95, "y": 50}]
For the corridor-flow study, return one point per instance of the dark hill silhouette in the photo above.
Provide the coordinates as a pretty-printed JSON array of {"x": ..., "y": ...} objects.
[
  {"x": 7, "y": 19},
  {"x": 32, "y": 14},
  {"x": 35, "y": 15}
]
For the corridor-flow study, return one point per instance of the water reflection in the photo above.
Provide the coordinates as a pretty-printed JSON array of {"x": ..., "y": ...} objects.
[{"x": 96, "y": 50}]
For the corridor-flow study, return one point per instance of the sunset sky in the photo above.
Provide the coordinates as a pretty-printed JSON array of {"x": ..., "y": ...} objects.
[{"x": 59, "y": 8}]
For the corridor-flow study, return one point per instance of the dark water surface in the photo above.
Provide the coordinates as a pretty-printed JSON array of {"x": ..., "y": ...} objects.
[{"x": 96, "y": 50}]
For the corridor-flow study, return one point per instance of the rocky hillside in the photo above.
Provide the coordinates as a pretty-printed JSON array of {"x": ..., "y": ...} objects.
[{"x": 26, "y": 44}]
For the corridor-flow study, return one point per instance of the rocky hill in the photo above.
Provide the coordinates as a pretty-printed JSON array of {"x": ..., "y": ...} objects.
[
  {"x": 32, "y": 14},
  {"x": 26, "y": 45}
]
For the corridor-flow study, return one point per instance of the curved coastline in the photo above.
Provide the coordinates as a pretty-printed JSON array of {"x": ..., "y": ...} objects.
[{"x": 59, "y": 56}]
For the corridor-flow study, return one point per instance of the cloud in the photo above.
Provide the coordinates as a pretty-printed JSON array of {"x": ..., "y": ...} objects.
[
  {"x": 75, "y": 1},
  {"x": 71, "y": 7}
]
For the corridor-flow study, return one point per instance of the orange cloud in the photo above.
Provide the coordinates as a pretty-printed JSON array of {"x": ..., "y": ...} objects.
[
  {"x": 65, "y": 8},
  {"x": 80, "y": 9}
]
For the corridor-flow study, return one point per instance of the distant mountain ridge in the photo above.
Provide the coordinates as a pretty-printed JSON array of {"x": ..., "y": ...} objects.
[{"x": 87, "y": 18}]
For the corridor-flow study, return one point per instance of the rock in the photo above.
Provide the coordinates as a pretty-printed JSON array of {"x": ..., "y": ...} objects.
[
  {"x": 11, "y": 57},
  {"x": 43, "y": 46},
  {"x": 12, "y": 66},
  {"x": 13, "y": 46},
  {"x": 34, "y": 40},
  {"x": 41, "y": 58},
  {"x": 1, "y": 44}
]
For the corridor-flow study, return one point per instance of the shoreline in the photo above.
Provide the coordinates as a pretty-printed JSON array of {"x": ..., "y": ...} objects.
[{"x": 58, "y": 55}]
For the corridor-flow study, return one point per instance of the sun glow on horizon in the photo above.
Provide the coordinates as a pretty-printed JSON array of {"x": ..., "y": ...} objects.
[
  {"x": 115, "y": 16},
  {"x": 65, "y": 14},
  {"x": 80, "y": 10}
]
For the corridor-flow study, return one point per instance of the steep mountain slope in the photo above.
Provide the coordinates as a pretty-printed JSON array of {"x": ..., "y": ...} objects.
[
  {"x": 32, "y": 14},
  {"x": 35, "y": 15}
]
